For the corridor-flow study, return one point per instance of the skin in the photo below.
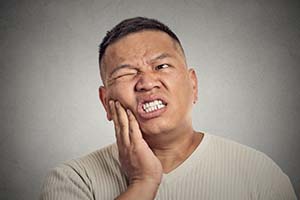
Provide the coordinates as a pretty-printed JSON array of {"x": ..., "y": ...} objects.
[{"x": 139, "y": 67}]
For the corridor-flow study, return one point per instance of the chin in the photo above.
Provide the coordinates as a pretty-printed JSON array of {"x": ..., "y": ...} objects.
[{"x": 151, "y": 130}]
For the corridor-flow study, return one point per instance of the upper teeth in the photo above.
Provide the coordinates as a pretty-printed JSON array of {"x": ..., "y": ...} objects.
[{"x": 153, "y": 105}]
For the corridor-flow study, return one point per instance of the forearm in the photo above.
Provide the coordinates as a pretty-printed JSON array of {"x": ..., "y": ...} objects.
[{"x": 142, "y": 191}]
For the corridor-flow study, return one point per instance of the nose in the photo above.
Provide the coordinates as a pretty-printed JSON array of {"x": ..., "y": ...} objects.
[{"x": 147, "y": 82}]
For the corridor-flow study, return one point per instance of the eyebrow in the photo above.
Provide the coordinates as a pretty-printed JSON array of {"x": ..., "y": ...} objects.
[
  {"x": 122, "y": 66},
  {"x": 160, "y": 57}
]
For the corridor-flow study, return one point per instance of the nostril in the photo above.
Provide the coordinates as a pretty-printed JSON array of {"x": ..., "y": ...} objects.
[
  {"x": 144, "y": 86},
  {"x": 146, "y": 83}
]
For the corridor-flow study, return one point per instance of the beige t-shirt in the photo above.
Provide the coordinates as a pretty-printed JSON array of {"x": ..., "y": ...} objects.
[{"x": 219, "y": 169}]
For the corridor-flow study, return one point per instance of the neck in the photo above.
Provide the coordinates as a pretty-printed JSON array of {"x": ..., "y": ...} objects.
[{"x": 174, "y": 148}]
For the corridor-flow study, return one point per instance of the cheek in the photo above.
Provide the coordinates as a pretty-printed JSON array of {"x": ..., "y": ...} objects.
[
  {"x": 124, "y": 93},
  {"x": 183, "y": 90}
]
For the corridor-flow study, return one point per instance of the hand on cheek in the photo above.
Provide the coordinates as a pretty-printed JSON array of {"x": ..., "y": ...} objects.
[{"x": 137, "y": 159}]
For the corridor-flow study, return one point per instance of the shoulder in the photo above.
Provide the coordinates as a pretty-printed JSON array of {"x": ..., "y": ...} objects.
[
  {"x": 105, "y": 156},
  {"x": 96, "y": 163},
  {"x": 244, "y": 159},
  {"x": 230, "y": 148},
  {"x": 253, "y": 166},
  {"x": 79, "y": 176}
]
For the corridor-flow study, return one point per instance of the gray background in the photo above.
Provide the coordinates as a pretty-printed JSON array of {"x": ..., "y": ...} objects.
[{"x": 246, "y": 53}]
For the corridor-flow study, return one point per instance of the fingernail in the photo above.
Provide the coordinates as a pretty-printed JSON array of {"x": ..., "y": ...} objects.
[
  {"x": 117, "y": 104},
  {"x": 128, "y": 111},
  {"x": 110, "y": 102}
]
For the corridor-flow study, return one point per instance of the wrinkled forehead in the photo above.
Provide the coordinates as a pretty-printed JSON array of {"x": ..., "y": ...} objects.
[{"x": 140, "y": 46}]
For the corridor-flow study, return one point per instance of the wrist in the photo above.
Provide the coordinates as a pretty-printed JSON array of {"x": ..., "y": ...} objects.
[
  {"x": 146, "y": 181},
  {"x": 151, "y": 183}
]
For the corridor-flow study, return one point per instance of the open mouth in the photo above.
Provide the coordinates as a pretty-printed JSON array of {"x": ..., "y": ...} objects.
[
  {"x": 150, "y": 107},
  {"x": 153, "y": 105}
]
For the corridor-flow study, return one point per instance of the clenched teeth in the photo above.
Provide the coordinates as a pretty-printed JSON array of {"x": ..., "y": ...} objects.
[{"x": 153, "y": 105}]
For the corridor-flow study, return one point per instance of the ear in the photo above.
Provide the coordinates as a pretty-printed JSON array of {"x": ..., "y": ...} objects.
[
  {"x": 104, "y": 101},
  {"x": 194, "y": 82}
]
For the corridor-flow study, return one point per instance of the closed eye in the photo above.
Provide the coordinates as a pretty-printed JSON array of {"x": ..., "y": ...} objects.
[
  {"x": 127, "y": 74},
  {"x": 162, "y": 66}
]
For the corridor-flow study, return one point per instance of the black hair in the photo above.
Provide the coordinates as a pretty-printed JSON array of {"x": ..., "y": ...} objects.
[{"x": 132, "y": 25}]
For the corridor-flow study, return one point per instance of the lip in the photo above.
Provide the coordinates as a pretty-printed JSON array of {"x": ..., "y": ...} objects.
[{"x": 146, "y": 116}]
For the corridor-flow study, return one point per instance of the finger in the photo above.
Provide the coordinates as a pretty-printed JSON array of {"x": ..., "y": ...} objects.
[
  {"x": 115, "y": 120},
  {"x": 134, "y": 129},
  {"x": 123, "y": 124}
]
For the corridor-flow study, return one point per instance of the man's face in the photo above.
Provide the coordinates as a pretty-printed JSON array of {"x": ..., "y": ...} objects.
[{"x": 147, "y": 73}]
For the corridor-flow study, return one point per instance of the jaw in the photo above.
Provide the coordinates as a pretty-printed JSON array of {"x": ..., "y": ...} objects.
[
  {"x": 169, "y": 123},
  {"x": 154, "y": 127},
  {"x": 162, "y": 135}
]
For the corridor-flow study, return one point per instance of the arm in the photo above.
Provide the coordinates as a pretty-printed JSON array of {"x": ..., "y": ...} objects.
[{"x": 141, "y": 166}]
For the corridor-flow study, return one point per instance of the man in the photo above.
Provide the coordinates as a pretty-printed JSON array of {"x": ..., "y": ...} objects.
[{"x": 148, "y": 93}]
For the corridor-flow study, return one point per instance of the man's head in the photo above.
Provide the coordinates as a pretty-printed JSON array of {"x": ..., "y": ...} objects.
[
  {"x": 146, "y": 72},
  {"x": 127, "y": 27}
]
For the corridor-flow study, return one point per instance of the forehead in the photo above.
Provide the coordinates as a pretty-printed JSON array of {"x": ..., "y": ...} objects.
[{"x": 140, "y": 45}]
